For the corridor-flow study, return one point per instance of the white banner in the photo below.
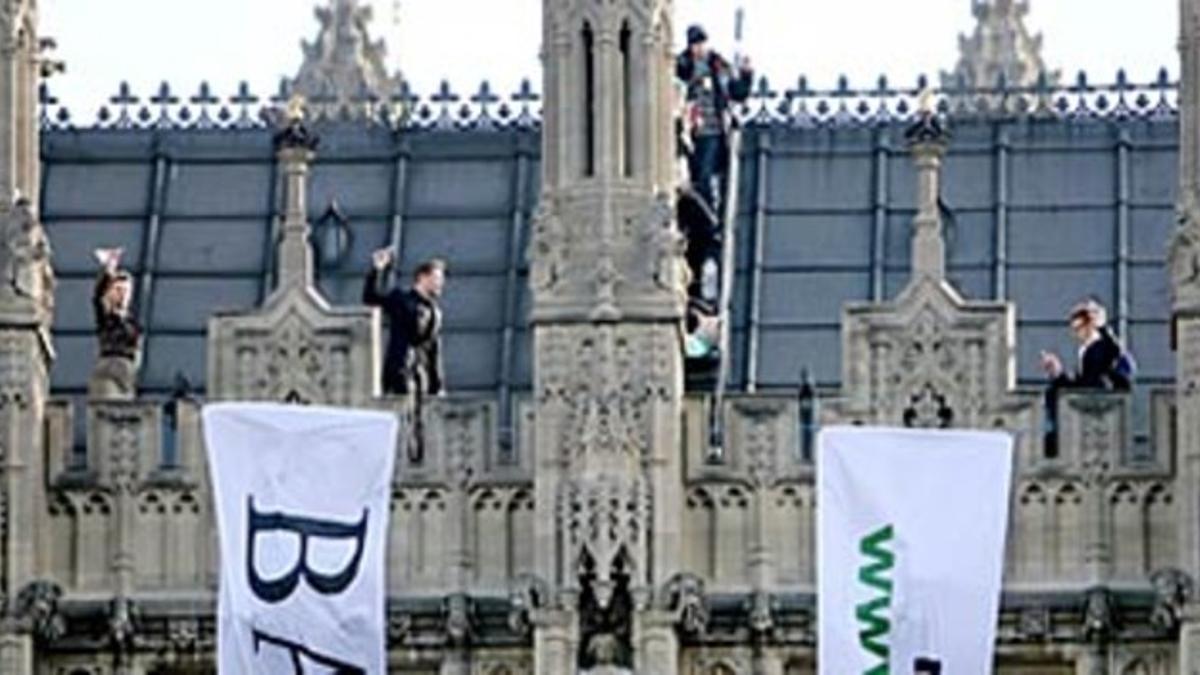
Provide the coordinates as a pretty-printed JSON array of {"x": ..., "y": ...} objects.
[
  {"x": 302, "y": 498},
  {"x": 910, "y": 548}
]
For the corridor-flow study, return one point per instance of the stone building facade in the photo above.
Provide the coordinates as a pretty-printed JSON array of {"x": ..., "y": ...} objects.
[{"x": 583, "y": 522}]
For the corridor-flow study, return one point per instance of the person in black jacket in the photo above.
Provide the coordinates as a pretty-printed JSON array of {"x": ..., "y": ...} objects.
[
  {"x": 1099, "y": 353},
  {"x": 413, "y": 361},
  {"x": 1101, "y": 356},
  {"x": 712, "y": 86},
  {"x": 117, "y": 331}
]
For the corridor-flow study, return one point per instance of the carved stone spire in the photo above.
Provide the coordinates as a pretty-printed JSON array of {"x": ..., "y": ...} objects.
[
  {"x": 928, "y": 139},
  {"x": 1184, "y": 254},
  {"x": 344, "y": 66},
  {"x": 26, "y": 309},
  {"x": 609, "y": 294},
  {"x": 295, "y": 144},
  {"x": 1000, "y": 46},
  {"x": 1184, "y": 265},
  {"x": 295, "y": 348},
  {"x": 604, "y": 243}
]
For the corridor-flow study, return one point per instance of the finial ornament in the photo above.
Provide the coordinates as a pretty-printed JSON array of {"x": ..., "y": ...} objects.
[
  {"x": 295, "y": 108},
  {"x": 925, "y": 101}
]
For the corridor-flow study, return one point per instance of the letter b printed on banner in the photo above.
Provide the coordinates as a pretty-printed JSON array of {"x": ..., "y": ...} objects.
[{"x": 302, "y": 509}]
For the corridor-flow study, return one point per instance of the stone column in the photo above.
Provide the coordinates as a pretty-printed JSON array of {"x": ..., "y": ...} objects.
[
  {"x": 658, "y": 645},
  {"x": 16, "y": 651},
  {"x": 1184, "y": 263},
  {"x": 608, "y": 301},
  {"x": 295, "y": 148},
  {"x": 928, "y": 139},
  {"x": 26, "y": 312},
  {"x": 555, "y": 642}
]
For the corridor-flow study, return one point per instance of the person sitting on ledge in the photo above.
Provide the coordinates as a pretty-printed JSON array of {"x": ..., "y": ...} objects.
[
  {"x": 1103, "y": 364},
  {"x": 117, "y": 331}
]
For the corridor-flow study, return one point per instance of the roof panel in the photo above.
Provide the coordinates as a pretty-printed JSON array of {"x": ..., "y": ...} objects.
[
  {"x": 186, "y": 303},
  {"x": 459, "y": 200},
  {"x": 75, "y": 240},
  {"x": 168, "y": 355},
  {"x": 1058, "y": 178},
  {"x": 474, "y": 244},
  {"x": 1047, "y": 294},
  {"x": 212, "y": 246},
  {"x": 225, "y": 189},
  {"x": 820, "y": 182},
  {"x": 360, "y": 189},
  {"x": 76, "y": 354},
  {"x": 95, "y": 190},
  {"x": 460, "y": 186},
  {"x": 817, "y": 240},
  {"x": 811, "y": 297},
  {"x": 1062, "y": 236}
]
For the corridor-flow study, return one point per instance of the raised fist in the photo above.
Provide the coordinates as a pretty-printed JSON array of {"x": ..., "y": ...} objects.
[
  {"x": 381, "y": 258},
  {"x": 109, "y": 258}
]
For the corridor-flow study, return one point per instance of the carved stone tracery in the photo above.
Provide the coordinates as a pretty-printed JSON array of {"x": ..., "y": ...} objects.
[
  {"x": 26, "y": 274},
  {"x": 928, "y": 359},
  {"x": 344, "y": 65},
  {"x": 37, "y": 604}
]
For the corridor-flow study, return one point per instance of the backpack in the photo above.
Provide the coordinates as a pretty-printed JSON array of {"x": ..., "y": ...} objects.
[{"x": 1124, "y": 369}]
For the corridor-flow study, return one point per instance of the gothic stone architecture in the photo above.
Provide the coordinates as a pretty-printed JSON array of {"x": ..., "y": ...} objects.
[{"x": 572, "y": 512}]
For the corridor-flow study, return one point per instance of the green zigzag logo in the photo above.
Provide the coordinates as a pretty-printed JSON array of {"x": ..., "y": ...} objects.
[{"x": 873, "y": 615}]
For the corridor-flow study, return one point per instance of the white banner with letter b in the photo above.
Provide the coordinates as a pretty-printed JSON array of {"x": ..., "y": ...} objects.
[
  {"x": 910, "y": 548},
  {"x": 302, "y": 497}
]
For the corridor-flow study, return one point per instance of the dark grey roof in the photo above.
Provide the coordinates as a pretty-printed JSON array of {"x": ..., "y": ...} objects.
[{"x": 1072, "y": 199}]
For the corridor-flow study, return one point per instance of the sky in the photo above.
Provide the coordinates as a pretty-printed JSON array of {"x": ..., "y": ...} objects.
[{"x": 145, "y": 42}]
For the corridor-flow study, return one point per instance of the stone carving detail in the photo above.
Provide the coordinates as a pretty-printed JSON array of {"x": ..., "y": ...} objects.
[
  {"x": 463, "y": 439},
  {"x": 26, "y": 274},
  {"x": 529, "y": 594},
  {"x": 187, "y": 641},
  {"x": 1033, "y": 624},
  {"x": 1099, "y": 615},
  {"x": 928, "y": 359},
  {"x": 121, "y": 454},
  {"x": 14, "y": 371},
  {"x": 123, "y": 623},
  {"x": 1172, "y": 590},
  {"x": 1183, "y": 257},
  {"x": 606, "y": 259},
  {"x": 295, "y": 349},
  {"x": 1099, "y": 435},
  {"x": 344, "y": 65},
  {"x": 686, "y": 600},
  {"x": 546, "y": 247},
  {"x": 457, "y": 610},
  {"x": 399, "y": 626},
  {"x": 605, "y": 619},
  {"x": 606, "y": 380},
  {"x": 1001, "y": 47},
  {"x": 606, "y": 522},
  {"x": 292, "y": 364},
  {"x": 757, "y": 428},
  {"x": 927, "y": 409},
  {"x": 37, "y": 603},
  {"x": 762, "y": 613},
  {"x": 657, "y": 228}
]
